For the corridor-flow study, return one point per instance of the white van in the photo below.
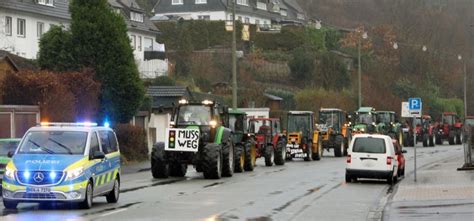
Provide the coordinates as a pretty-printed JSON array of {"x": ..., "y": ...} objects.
[{"x": 371, "y": 156}]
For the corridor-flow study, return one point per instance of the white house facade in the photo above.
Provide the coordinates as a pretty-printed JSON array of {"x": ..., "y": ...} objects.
[
  {"x": 23, "y": 22},
  {"x": 260, "y": 12}
]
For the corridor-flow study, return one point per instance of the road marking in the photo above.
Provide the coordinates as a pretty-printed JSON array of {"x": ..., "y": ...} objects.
[{"x": 113, "y": 212}]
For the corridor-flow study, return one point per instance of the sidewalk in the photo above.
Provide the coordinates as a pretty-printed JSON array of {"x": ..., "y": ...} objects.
[
  {"x": 440, "y": 193},
  {"x": 136, "y": 167}
]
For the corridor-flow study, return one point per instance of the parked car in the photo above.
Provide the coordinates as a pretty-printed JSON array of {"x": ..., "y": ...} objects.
[
  {"x": 6, "y": 145},
  {"x": 372, "y": 156},
  {"x": 400, "y": 157}
]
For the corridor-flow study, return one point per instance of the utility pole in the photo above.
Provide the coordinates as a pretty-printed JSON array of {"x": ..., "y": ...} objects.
[
  {"x": 234, "y": 59},
  {"x": 359, "y": 71},
  {"x": 465, "y": 90}
]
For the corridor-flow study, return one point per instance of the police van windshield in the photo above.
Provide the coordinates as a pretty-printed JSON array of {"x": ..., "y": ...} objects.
[{"x": 54, "y": 142}]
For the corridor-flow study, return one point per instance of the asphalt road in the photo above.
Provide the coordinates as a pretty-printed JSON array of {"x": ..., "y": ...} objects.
[{"x": 296, "y": 191}]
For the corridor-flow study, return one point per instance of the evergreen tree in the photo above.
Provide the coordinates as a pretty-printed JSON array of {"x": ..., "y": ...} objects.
[
  {"x": 100, "y": 41},
  {"x": 55, "y": 53}
]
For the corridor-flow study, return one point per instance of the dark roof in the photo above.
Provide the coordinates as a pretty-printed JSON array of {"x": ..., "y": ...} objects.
[
  {"x": 165, "y": 6},
  {"x": 20, "y": 63},
  {"x": 166, "y": 96},
  {"x": 60, "y": 9},
  {"x": 167, "y": 91},
  {"x": 131, "y": 5}
]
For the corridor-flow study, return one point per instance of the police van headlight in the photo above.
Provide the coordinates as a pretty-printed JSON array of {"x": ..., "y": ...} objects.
[
  {"x": 10, "y": 173},
  {"x": 74, "y": 173}
]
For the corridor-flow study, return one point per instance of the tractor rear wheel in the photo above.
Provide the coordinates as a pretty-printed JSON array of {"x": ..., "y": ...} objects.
[
  {"x": 228, "y": 161},
  {"x": 212, "y": 161},
  {"x": 346, "y": 146},
  {"x": 339, "y": 148},
  {"x": 309, "y": 151},
  {"x": 159, "y": 166},
  {"x": 438, "y": 140},
  {"x": 425, "y": 140},
  {"x": 280, "y": 153},
  {"x": 451, "y": 139},
  {"x": 269, "y": 153},
  {"x": 318, "y": 155},
  {"x": 239, "y": 158},
  {"x": 458, "y": 138},
  {"x": 250, "y": 156},
  {"x": 431, "y": 143}
]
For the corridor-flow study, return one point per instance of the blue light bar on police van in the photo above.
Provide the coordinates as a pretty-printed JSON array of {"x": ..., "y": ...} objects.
[{"x": 57, "y": 124}]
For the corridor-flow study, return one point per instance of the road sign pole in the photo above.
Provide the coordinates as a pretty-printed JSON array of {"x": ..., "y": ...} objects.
[{"x": 414, "y": 144}]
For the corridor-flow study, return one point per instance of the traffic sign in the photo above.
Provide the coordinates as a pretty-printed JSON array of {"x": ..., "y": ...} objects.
[
  {"x": 415, "y": 106},
  {"x": 406, "y": 109}
]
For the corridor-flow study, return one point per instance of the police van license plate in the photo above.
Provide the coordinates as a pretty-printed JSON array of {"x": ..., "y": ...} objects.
[{"x": 32, "y": 189}]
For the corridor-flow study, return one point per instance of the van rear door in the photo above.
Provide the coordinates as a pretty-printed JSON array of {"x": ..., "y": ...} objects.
[{"x": 369, "y": 153}]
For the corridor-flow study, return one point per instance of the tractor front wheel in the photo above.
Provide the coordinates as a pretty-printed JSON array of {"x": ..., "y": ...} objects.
[
  {"x": 309, "y": 151},
  {"x": 228, "y": 154},
  {"x": 280, "y": 153},
  {"x": 212, "y": 161},
  {"x": 318, "y": 155},
  {"x": 239, "y": 158},
  {"x": 159, "y": 166},
  {"x": 269, "y": 153},
  {"x": 339, "y": 148},
  {"x": 250, "y": 156}
]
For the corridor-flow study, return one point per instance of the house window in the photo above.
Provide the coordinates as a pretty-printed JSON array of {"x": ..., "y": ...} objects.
[
  {"x": 239, "y": 18},
  {"x": 8, "y": 25},
  {"x": 283, "y": 12},
  {"x": 21, "y": 27},
  {"x": 40, "y": 29},
  {"x": 134, "y": 42},
  {"x": 261, "y": 5},
  {"x": 138, "y": 17},
  {"x": 201, "y": 2},
  {"x": 148, "y": 46},
  {"x": 46, "y": 2},
  {"x": 176, "y": 2},
  {"x": 247, "y": 20},
  {"x": 139, "y": 43},
  {"x": 300, "y": 16},
  {"x": 243, "y": 2},
  {"x": 204, "y": 17},
  {"x": 257, "y": 22}
]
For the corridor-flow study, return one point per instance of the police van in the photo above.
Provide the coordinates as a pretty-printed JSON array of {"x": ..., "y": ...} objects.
[{"x": 63, "y": 162}]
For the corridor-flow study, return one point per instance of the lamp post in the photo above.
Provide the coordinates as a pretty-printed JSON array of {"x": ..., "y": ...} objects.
[
  {"x": 465, "y": 84},
  {"x": 234, "y": 59},
  {"x": 359, "y": 69}
]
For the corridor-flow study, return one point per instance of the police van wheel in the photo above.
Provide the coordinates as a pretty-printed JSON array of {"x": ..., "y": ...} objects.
[
  {"x": 87, "y": 203},
  {"x": 10, "y": 204},
  {"x": 113, "y": 196}
]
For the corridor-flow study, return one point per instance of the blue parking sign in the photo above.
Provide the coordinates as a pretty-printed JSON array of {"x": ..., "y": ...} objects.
[{"x": 415, "y": 104}]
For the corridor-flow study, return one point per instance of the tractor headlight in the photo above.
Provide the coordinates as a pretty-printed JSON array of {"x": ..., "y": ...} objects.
[
  {"x": 74, "y": 173},
  {"x": 362, "y": 129},
  {"x": 10, "y": 173}
]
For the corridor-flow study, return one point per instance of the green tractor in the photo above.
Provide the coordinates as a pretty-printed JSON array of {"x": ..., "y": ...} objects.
[
  {"x": 388, "y": 124},
  {"x": 365, "y": 121},
  {"x": 196, "y": 136},
  {"x": 245, "y": 150}
]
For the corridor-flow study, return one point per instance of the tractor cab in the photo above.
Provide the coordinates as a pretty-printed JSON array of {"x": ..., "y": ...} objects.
[
  {"x": 365, "y": 120},
  {"x": 333, "y": 126}
]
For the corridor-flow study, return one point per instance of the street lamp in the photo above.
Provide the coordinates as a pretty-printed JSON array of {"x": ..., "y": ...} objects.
[
  {"x": 364, "y": 36},
  {"x": 465, "y": 85}
]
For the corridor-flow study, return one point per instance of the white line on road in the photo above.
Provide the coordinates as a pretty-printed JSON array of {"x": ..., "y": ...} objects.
[{"x": 113, "y": 212}]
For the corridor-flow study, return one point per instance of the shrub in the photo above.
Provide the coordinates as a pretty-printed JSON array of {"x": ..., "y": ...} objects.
[
  {"x": 314, "y": 99},
  {"x": 132, "y": 141}
]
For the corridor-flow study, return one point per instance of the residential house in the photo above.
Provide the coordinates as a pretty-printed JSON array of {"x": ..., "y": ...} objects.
[
  {"x": 23, "y": 22},
  {"x": 261, "y": 12}
]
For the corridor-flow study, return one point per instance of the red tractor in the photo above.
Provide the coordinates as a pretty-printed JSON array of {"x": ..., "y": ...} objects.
[
  {"x": 270, "y": 143},
  {"x": 425, "y": 131},
  {"x": 449, "y": 129}
]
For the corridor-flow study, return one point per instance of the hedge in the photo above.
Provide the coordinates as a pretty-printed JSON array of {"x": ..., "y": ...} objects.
[{"x": 132, "y": 141}]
